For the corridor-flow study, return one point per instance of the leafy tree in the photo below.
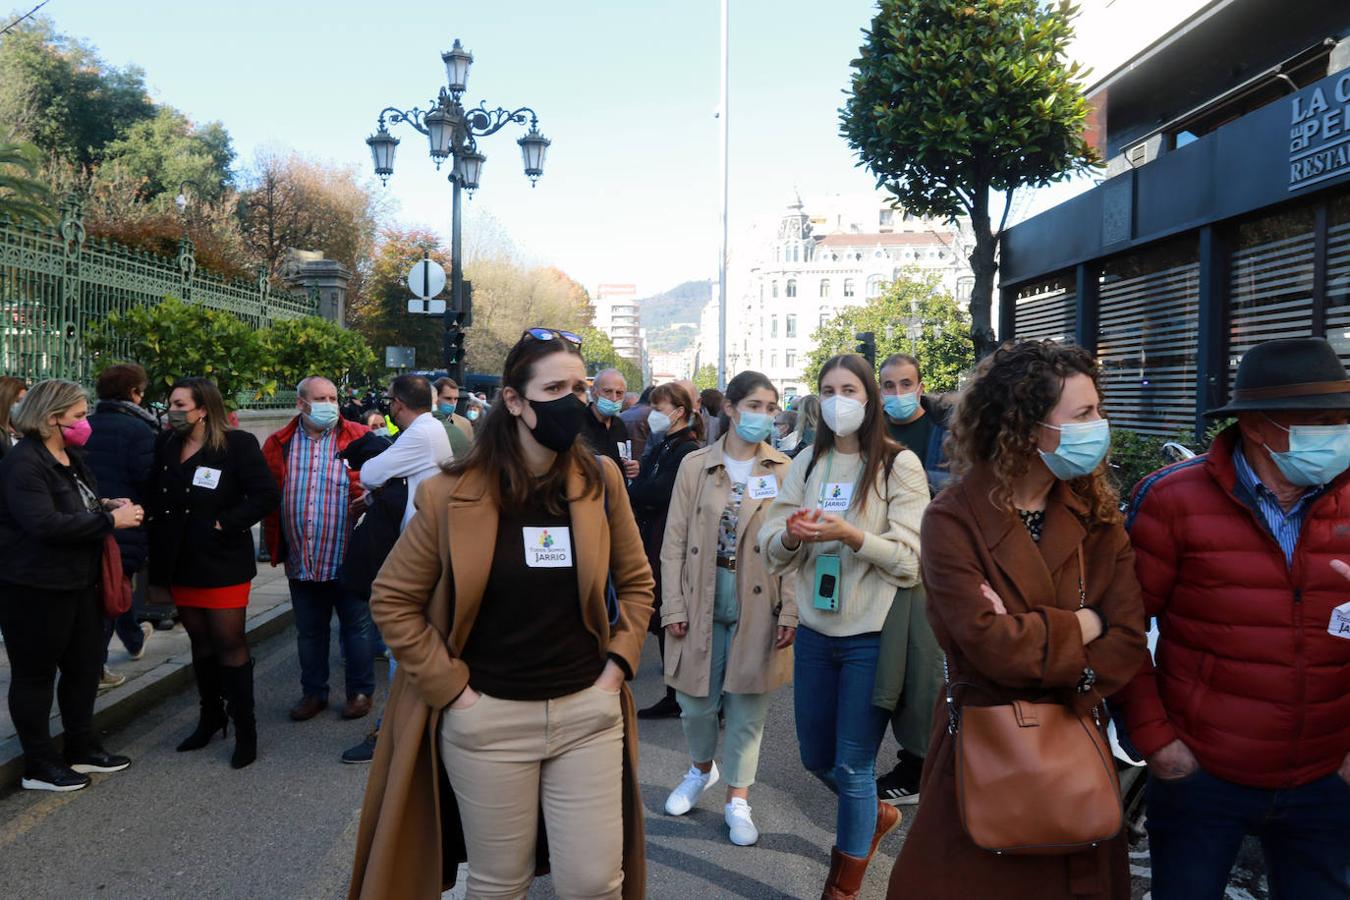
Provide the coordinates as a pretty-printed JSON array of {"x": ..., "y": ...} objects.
[
  {"x": 22, "y": 195},
  {"x": 175, "y": 340},
  {"x": 58, "y": 94},
  {"x": 706, "y": 377},
  {"x": 941, "y": 340},
  {"x": 954, "y": 99},
  {"x": 598, "y": 351},
  {"x": 380, "y": 314},
  {"x": 297, "y": 348},
  {"x": 161, "y": 153}
]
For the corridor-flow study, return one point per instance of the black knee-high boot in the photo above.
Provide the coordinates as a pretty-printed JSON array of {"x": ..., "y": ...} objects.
[
  {"x": 209, "y": 688},
  {"x": 239, "y": 700}
]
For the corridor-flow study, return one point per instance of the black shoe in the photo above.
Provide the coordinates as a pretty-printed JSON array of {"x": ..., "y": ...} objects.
[
  {"x": 213, "y": 719},
  {"x": 98, "y": 760},
  {"x": 363, "y": 752},
  {"x": 665, "y": 708},
  {"x": 42, "y": 775},
  {"x": 899, "y": 787},
  {"x": 238, "y": 682},
  {"x": 164, "y": 624}
]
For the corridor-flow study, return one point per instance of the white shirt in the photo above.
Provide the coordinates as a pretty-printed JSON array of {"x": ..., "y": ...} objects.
[
  {"x": 418, "y": 453},
  {"x": 738, "y": 469}
]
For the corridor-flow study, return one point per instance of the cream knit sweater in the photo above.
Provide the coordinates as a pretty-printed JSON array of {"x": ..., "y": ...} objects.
[{"x": 888, "y": 558}]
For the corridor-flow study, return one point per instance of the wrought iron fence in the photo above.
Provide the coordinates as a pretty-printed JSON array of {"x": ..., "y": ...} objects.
[{"x": 55, "y": 283}]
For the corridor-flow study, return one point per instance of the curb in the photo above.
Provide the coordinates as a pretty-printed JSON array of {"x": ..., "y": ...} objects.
[{"x": 169, "y": 677}]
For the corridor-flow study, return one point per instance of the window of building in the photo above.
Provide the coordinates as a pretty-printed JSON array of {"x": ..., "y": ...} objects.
[
  {"x": 824, "y": 287},
  {"x": 773, "y": 326},
  {"x": 792, "y": 287},
  {"x": 774, "y": 290},
  {"x": 824, "y": 319},
  {"x": 848, "y": 287},
  {"x": 874, "y": 285},
  {"x": 887, "y": 217},
  {"x": 773, "y": 360},
  {"x": 790, "y": 326},
  {"x": 790, "y": 360}
]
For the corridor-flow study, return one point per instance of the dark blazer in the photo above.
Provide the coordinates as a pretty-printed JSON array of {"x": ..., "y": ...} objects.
[
  {"x": 650, "y": 495},
  {"x": 185, "y": 546},
  {"x": 121, "y": 454},
  {"x": 48, "y": 537},
  {"x": 1033, "y": 652}
]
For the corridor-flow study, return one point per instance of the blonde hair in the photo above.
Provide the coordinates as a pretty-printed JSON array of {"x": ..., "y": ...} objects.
[{"x": 44, "y": 399}]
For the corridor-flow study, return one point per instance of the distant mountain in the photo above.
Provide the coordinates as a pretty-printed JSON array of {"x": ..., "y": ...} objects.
[{"x": 681, "y": 304}]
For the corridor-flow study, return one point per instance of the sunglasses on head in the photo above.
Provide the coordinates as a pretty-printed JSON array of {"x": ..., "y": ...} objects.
[{"x": 549, "y": 334}]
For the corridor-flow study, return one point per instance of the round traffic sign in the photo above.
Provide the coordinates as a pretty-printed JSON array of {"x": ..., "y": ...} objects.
[{"x": 427, "y": 279}]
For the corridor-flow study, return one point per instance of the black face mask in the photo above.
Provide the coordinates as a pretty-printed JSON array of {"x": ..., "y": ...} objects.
[{"x": 558, "y": 422}]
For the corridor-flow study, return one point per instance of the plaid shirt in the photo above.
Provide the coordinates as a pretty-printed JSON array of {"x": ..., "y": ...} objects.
[{"x": 314, "y": 507}]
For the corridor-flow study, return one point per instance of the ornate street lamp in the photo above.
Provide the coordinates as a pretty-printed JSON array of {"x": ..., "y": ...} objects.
[
  {"x": 534, "y": 147},
  {"x": 452, "y": 132},
  {"x": 457, "y": 62},
  {"x": 382, "y": 146}
]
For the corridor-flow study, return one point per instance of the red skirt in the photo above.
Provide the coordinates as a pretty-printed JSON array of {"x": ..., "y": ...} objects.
[{"x": 233, "y": 596}]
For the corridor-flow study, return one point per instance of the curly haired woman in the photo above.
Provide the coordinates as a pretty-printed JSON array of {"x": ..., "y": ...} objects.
[{"x": 1001, "y": 551}]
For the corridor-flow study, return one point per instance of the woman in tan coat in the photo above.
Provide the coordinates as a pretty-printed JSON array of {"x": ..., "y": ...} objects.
[
  {"x": 729, "y": 632},
  {"x": 1000, "y": 564},
  {"x": 516, "y": 603}
]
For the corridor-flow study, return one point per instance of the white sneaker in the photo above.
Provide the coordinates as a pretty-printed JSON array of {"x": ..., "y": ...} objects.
[
  {"x": 743, "y": 830},
  {"x": 147, "y": 629},
  {"x": 683, "y": 798},
  {"x": 110, "y": 679}
]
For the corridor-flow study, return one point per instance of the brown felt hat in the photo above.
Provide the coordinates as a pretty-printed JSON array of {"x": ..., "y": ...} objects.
[{"x": 1291, "y": 373}]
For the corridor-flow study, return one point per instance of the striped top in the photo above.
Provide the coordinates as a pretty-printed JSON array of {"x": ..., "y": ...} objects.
[
  {"x": 314, "y": 507},
  {"x": 1285, "y": 526}
]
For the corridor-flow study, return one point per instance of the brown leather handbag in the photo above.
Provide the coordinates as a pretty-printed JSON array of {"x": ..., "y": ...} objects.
[{"x": 1034, "y": 778}]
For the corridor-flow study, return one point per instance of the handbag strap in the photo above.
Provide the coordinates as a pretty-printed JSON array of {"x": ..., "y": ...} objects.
[{"x": 953, "y": 713}]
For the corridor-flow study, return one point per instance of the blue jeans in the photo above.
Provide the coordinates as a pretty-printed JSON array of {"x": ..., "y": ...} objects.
[
  {"x": 314, "y": 603},
  {"x": 1196, "y": 826},
  {"x": 838, "y": 728}
]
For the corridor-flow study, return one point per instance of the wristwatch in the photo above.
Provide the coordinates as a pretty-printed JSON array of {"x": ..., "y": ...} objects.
[{"x": 1087, "y": 681}]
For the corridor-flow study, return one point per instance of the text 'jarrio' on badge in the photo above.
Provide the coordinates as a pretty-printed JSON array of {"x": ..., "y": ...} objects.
[
  {"x": 1339, "y": 626},
  {"x": 763, "y": 487},
  {"x": 206, "y": 478},
  {"x": 548, "y": 548},
  {"x": 838, "y": 495}
]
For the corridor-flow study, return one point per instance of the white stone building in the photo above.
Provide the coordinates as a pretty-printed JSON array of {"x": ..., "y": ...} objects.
[
  {"x": 810, "y": 267},
  {"x": 616, "y": 313}
]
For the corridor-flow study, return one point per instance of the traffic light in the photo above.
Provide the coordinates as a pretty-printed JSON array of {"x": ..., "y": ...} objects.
[
  {"x": 454, "y": 339},
  {"x": 468, "y": 305},
  {"x": 867, "y": 346}
]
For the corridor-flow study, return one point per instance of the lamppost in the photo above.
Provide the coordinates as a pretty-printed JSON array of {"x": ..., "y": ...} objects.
[
  {"x": 452, "y": 132},
  {"x": 182, "y": 201}
]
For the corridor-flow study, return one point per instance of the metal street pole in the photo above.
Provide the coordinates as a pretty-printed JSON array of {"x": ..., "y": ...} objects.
[
  {"x": 723, "y": 127},
  {"x": 456, "y": 304}
]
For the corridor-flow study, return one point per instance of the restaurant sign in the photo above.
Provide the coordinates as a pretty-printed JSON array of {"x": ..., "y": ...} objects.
[{"x": 1319, "y": 133}]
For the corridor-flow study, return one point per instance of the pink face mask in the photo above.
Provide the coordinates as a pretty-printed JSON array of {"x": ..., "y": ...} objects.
[{"x": 77, "y": 435}]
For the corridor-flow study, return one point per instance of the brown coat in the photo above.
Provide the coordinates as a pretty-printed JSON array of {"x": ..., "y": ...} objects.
[
  {"x": 410, "y": 840},
  {"x": 1033, "y": 652},
  {"x": 689, "y": 578}
]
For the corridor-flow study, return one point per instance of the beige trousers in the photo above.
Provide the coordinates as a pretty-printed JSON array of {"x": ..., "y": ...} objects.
[{"x": 506, "y": 758}]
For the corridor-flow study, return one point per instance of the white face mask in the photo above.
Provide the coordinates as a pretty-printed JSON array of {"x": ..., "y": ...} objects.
[
  {"x": 843, "y": 414},
  {"x": 658, "y": 422}
]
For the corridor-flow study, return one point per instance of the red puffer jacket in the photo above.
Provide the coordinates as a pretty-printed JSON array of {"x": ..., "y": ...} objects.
[
  {"x": 1247, "y": 674},
  {"x": 274, "y": 451}
]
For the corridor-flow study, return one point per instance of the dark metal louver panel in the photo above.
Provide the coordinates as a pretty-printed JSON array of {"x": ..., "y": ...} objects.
[
  {"x": 1047, "y": 310},
  {"x": 1270, "y": 295},
  {"x": 1147, "y": 345}
]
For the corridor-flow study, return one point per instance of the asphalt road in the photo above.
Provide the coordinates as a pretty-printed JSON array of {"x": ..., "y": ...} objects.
[{"x": 187, "y": 825}]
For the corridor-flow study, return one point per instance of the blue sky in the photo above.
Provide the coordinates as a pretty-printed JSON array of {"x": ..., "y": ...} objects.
[{"x": 626, "y": 91}]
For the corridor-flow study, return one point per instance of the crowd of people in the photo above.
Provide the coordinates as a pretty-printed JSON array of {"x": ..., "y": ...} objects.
[{"x": 958, "y": 569}]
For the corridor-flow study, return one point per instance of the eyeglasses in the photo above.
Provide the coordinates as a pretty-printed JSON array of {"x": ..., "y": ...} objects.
[{"x": 549, "y": 334}]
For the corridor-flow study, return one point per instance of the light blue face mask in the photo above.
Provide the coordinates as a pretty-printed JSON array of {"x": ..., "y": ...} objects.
[
  {"x": 1082, "y": 447},
  {"x": 608, "y": 407},
  {"x": 1316, "y": 454},
  {"x": 322, "y": 415},
  {"x": 754, "y": 427},
  {"x": 901, "y": 406}
]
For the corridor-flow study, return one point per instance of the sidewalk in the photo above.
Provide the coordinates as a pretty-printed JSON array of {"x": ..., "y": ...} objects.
[{"x": 165, "y": 668}]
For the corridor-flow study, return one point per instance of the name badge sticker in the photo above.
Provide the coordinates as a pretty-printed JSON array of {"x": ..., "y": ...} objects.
[
  {"x": 1339, "y": 626},
  {"x": 838, "y": 496},
  {"x": 206, "y": 478},
  {"x": 548, "y": 548},
  {"x": 763, "y": 487}
]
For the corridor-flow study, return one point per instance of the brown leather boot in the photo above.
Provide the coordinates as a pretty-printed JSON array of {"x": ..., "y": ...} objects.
[
  {"x": 846, "y": 876},
  {"x": 888, "y": 819}
]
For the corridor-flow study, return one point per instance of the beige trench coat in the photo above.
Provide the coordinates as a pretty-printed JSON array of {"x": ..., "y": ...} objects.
[
  {"x": 689, "y": 578},
  {"x": 425, "y": 601}
]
